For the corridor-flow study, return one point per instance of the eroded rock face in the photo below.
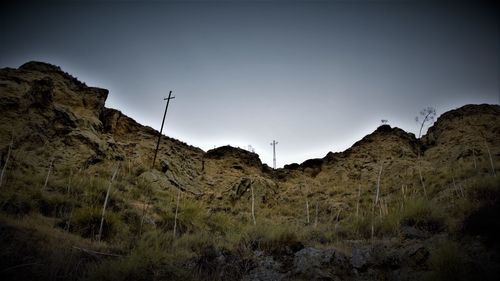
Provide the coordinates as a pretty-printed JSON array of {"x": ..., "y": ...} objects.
[
  {"x": 264, "y": 190},
  {"x": 241, "y": 156},
  {"x": 53, "y": 115},
  {"x": 62, "y": 113},
  {"x": 42, "y": 92},
  {"x": 461, "y": 134}
]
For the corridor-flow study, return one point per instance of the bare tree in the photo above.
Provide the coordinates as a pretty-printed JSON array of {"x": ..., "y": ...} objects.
[{"x": 427, "y": 116}]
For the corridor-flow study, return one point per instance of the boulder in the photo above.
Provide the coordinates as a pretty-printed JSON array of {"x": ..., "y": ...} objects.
[
  {"x": 317, "y": 264},
  {"x": 361, "y": 258},
  {"x": 267, "y": 269}
]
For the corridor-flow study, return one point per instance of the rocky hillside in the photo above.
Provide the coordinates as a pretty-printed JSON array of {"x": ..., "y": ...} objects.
[
  {"x": 54, "y": 118},
  {"x": 321, "y": 219}
]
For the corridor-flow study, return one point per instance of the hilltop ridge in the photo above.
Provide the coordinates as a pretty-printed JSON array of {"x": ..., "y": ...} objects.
[
  {"x": 373, "y": 211},
  {"x": 55, "y": 116}
]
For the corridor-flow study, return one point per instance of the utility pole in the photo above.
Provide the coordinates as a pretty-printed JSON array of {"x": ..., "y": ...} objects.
[
  {"x": 274, "y": 143},
  {"x": 161, "y": 129}
]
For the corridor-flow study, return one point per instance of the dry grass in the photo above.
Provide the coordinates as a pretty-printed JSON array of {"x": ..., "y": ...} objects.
[{"x": 146, "y": 238}]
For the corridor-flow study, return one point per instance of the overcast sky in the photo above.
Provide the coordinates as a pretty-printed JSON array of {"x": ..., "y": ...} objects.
[{"x": 314, "y": 75}]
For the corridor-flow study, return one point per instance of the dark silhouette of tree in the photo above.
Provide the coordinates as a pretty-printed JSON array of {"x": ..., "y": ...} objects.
[{"x": 427, "y": 116}]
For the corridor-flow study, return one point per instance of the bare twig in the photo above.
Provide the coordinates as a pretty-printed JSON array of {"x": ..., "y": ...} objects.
[
  {"x": 106, "y": 202},
  {"x": 373, "y": 229},
  {"x": 428, "y": 113},
  {"x": 474, "y": 157},
  {"x": 51, "y": 165},
  {"x": 337, "y": 218},
  {"x": 316, "y": 217},
  {"x": 7, "y": 159},
  {"x": 253, "y": 205},
  {"x": 144, "y": 212},
  {"x": 19, "y": 266},
  {"x": 420, "y": 175},
  {"x": 359, "y": 198},
  {"x": 375, "y": 202},
  {"x": 307, "y": 211},
  {"x": 458, "y": 188},
  {"x": 95, "y": 253},
  {"x": 491, "y": 159},
  {"x": 68, "y": 223},
  {"x": 176, "y": 212},
  {"x": 69, "y": 181},
  {"x": 403, "y": 192},
  {"x": 378, "y": 184}
]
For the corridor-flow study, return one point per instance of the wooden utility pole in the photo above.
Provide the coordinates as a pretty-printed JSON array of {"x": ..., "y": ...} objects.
[
  {"x": 161, "y": 129},
  {"x": 274, "y": 143}
]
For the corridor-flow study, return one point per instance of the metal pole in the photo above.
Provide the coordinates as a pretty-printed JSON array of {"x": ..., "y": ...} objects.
[
  {"x": 161, "y": 129},
  {"x": 274, "y": 143},
  {"x": 274, "y": 155}
]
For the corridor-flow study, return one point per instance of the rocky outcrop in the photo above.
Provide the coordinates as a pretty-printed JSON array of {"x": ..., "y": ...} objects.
[
  {"x": 315, "y": 264},
  {"x": 49, "y": 110},
  {"x": 382, "y": 260},
  {"x": 53, "y": 115},
  {"x": 472, "y": 131},
  {"x": 238, "y": 156}
]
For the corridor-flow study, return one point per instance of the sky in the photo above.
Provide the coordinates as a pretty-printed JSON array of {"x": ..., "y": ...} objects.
[{"x": 316, "y": 76}]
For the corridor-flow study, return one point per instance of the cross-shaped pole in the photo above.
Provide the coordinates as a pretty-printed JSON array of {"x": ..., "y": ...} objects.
[
  {"x": 274, "y": 143},
  {"x": 161, "y": 129}
]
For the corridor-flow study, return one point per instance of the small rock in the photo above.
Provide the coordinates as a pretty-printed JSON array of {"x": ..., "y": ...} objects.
[
  {"x": 361, "y": 258},
  {"x": 415, "y": 255},
  {"x": 409, "y": 232}
]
